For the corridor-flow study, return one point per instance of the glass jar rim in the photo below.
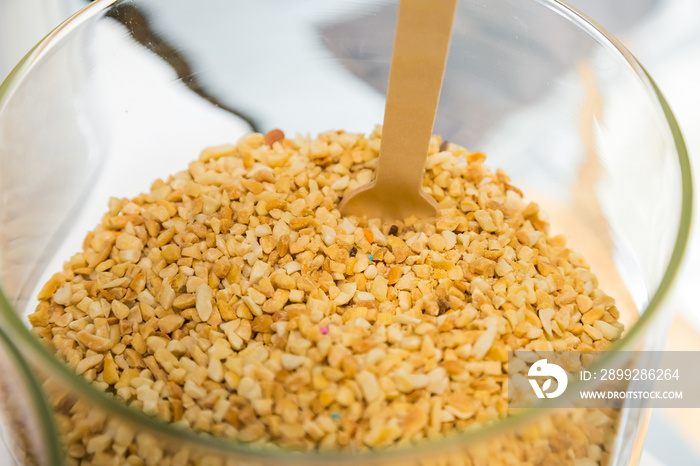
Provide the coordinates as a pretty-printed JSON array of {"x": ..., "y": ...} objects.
[{"x": 30, "y": 346}]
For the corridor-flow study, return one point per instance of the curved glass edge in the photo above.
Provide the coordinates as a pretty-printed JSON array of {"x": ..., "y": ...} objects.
[
  {"x": 685, "y": 222},
  {"x": 25, "y": 64},
  {"x": 81, "y": 386},
  {"x": 46, "y": 421}
]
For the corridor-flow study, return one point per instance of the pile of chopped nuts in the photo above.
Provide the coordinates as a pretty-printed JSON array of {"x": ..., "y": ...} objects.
[{"x": 234, "y": 299}]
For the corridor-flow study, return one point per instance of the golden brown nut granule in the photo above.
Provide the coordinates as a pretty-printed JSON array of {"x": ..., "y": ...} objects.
[{"x": 233, "y": 298}]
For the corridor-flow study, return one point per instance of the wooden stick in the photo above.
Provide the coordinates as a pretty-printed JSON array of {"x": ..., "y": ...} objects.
[{"x": 417, "y": 68}]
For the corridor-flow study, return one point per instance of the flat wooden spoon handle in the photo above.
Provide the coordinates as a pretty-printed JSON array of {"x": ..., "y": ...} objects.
[{"x": 417, "y": 68}]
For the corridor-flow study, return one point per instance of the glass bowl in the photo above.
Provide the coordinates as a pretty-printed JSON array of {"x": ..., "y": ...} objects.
[
  {"x": 127, "y": 91},
  {"x": 26, "y": 420}
]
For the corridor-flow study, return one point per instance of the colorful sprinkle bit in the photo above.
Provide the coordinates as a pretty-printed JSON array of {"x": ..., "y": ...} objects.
[
  {"x": 323, "y": 330},
  {"x": 335, "y": 416},
  {"x": 371, "y": 257},
  {"x": 368, "y": 235}
]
